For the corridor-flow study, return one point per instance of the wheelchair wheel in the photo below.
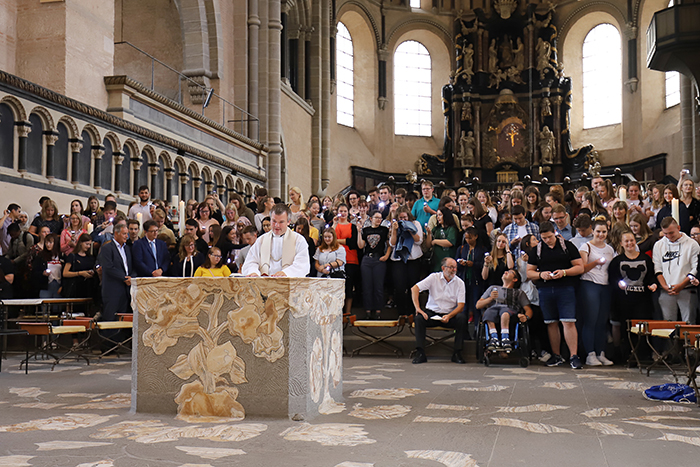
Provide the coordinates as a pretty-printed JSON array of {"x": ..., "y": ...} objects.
[
  {"x": 487, "y": 362},
  {"x": 480, "y": 342},
  {"x": 524, "y": 362}
]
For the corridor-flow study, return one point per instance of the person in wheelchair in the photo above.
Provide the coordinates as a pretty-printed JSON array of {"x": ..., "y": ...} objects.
[{"x": 502, "y": 302}]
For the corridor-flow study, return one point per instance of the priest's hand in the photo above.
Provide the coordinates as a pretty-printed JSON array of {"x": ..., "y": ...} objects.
[{"x": 279, "y": 274}]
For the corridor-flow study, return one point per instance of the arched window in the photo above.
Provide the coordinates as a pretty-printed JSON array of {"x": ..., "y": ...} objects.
[
  {"x": 415, "y": 4},
  {"x": 602, "y": 77},
  {"x": 7, "y": 136},
  {"x": 85, "y": 160},
  {"x": 412, "y": 89},
  {"x": 344, "y": 74},
  {"x": 673, "y": 82}
]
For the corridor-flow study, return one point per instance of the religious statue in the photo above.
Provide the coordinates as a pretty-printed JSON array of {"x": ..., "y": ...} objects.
[
  {"x": 519, "y": 55},
  {"x": 496, "y": 78},
  {"x": 505, "y": 8},
  {"x": 513, "y": 74},
  {"x": 466, "y": 112},
  {"x": 468, "y": 67},
  {"x": 544, "y": 52},
  {"x": 506, "y": 53},
  {"x": 467, "y": 146},
  {"x": 493, "y": 57},
  {"x": 545, "y": 108},
  {"x": 446, "y": 110},
  {"x": 547, "y": 148}
]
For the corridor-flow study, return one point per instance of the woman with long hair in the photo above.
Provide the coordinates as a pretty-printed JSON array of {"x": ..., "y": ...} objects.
[
  {"x": 655, "y": 205},
  {"x": 265, "y": 206},
  {"x": 314, "y": 210},
  {"x": 592, "y": 206},
  {"x": 532, "y": 201},
  {"x": 642, "y": 233},
  {"x": 79, "y": 276},
  {"x": 214, "y": 233},
  {"x": 620, "y": 212},
  {"x": 230, "y": 215},
  {"x": 543, "y": 213},
  {"x": 213, "y": 265},
  {"x": 47, "y": 217},
  {"x": 686, "y": 189},
  {"x": 188, "y": 259},
  {"x": 47, "y": 268},
  {"x": 347, "y": 234},
  {"x": 93, "y": 209},
  {"x": 405, "y": 268},
  {"x": 482, "y": 222},
  {"x": 70, "y": 235},
  {"x": 517, "y": 198},
  {"x": 606, "y": 193},
  {"x": 670, "y": 192},
  {"x": 204, "y": 220},
  {"x": 76, "y": 206},
  {"x": 230, "y": 244},
  {"x": 243, "y": 210},
  {"x": 444, "y": 236},
  {"x": 302, "y": 227},
  {"x": 497, "y": 262},
  {"x": 594, "y": 298},
  {"x": 329, "y": 259},
  {"x": 485, "y": 200},
  {"x": 296, "y": 200},
  {"x": 374, "y": 243}
]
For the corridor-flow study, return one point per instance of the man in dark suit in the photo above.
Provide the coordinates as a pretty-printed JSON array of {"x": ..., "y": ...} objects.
[
  {"x": 115, "y": 260},
  {"x": 151, "y": 256}
]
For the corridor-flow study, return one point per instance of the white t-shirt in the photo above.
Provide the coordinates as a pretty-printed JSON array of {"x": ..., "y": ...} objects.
[
  {"x": 599, "y": 273},
  {"x": 522, "y": 231}
]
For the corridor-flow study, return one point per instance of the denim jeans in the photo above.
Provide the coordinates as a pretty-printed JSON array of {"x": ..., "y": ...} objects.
[{"x": 594, "y": 310}]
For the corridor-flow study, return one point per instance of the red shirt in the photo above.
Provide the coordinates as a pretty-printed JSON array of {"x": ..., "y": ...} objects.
[{"x": 344, "y": 231}]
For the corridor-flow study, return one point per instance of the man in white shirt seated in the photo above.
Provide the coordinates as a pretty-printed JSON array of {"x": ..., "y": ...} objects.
[
  {"x": 444, "y": 308},
  {"x": 279, "y": 253}
]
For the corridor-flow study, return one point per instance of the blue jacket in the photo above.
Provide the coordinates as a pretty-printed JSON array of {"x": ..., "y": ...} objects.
[
  {"x": 477, "y": 256},
  {"x": 404, "y": 240},
  {"x": 144, "y": 262}
]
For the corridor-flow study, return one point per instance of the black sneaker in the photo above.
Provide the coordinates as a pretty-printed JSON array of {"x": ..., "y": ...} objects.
[
  {"x": 457, "y": 357},
  {"x": 420, "y": 357},
  {"x": 506, "y": 345},
  {"x": 554, "y": 360},
  {"x": 575, "y": 362},
  {"x": 492, "y": 344}
]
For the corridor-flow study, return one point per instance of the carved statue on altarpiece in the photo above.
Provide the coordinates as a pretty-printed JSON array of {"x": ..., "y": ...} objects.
[
  {"x": 467, "y": 145},
  {"x": 547, "y": 146},
  {"x": 447, "y": 92}
]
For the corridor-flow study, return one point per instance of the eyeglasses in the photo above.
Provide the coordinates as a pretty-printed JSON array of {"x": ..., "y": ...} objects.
[
  {"x": 214, "y": 256},
  {"x": 450, "y": 267}
]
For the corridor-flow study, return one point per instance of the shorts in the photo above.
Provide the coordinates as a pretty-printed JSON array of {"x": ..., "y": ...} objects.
[
  {"x": 494, "y": 313},
  {"x": 558, "y": 304}
]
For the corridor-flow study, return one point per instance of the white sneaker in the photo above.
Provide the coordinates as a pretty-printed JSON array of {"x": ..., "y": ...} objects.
[
  {"x": 592, "y": 360},
  {"x": 604, "y": 360}
]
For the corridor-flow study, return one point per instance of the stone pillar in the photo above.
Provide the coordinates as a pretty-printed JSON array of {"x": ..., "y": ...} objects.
[
  {"x": 284, "y": 44},
  {"x": 75, "y": 146},
  {"x": 476, "y": 107},
  {"x": 263, "y": 70},
  {"x": 154, "y": 169},
  {"x": 314, "y": 82},
  {"x": 253, "y": 38},
  {"x": 169, "y": 173},
  {"x": 687, "y": 127},
  {"x": 23, "y": 130},
  {"x": 183, "y": 186},
  {"x": 196, "y": 184},
  {"x": 50, "y": 139},
  {"x": 97, "y": 153},
  {"x": 307, "y": 65},
  {"x": 118, "y": 158},
  {"x": 556, "y": 116},
  {"x": 326, "y": 32},
  {"x": 383, "y": 55},
  {"x": 136, "y": 166},
  {"x": 274, "y": 123}
]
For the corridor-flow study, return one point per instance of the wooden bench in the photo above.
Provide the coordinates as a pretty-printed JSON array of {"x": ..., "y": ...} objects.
[
  {"x": 360, "y": 328},
  {"x": 648, "y": 329},
  {"x": 690, "y": 337}
]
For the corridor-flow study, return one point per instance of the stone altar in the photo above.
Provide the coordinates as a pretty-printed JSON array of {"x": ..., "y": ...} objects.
[{"x": 227, "y": 347}]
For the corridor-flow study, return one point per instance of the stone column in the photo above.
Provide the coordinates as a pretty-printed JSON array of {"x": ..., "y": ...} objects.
[
  {"x": 326, "y": 32},
  {"x": 293, "y": 38},
  {"x": 253, "y": 38},
  {"x": 75, "y": 146},
  {"x": 687, "y": 127},
  {"x": 383, "y": 55},
  {"x": 50, "y": 139},
  {"x": 169, "y": 173},
  {"x": 307, "y": 65},
  {"x": 183, "y": 186},
  {"x": 118, "y": 158},
  {"x": 136, "y": 166},
  {"x": 284, "y": 50},
  {"x": 314, "y": 81},
  {"x": 196, "y": 184},
  {"x": 274, "y": 123},
  {"x": 23, "y": 130},
  {"x": 97, "y": 153},
  {"x": 154, "y": 169}
]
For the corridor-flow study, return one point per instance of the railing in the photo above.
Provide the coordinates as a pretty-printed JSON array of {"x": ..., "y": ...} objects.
[{"x": 163, "y": 79}]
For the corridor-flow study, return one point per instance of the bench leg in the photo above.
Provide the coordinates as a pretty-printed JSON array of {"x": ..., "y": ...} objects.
[{"x": 373, "y": 340}]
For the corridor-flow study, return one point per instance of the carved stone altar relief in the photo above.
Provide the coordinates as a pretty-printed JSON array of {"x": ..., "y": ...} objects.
[{"x": 506, "y": 138}]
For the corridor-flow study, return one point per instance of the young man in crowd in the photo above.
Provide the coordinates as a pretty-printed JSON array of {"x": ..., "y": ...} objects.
[
  {"x": 520, "y": 227},
  {"x": 260, "y": 193},
  {"x": 584, "y": 230},
  {"x": 250, "y": 235},
  {"x": 384, "y": 205},
  {"x": 104, "y": 230},
  {"x": 554, "y": 264},
  {"x": 561, "y": 221},
  {"x": 373, "y": 194},
  {"x": 676, "y": 264},
  {"x": 426, "y": 206},
  {"x": 111, "y": 197},
  {"x": 10, "y": 216},
  {"x": 133, "y": 227},
  {"x": 400, "y": 196},
  {"x": 143, "y": 206}
]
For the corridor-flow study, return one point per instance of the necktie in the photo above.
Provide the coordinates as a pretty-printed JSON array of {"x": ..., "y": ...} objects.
[{"x": 153, "y": 250}]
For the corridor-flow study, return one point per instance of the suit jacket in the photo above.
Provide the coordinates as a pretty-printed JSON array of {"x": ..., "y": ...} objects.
[
  {"x": 144, "y": 262},
  {"x": 112, "y": 265}
]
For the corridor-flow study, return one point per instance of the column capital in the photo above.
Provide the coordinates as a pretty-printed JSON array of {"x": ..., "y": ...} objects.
[
  {"x": 23, "y": 130},
  {"x": 98, "y": 152},
  {"x": 154, "y": 169},
  {"x": 183, "y": 178},
  {"x": 118, "y": 158},
  {"x": 50, "y": 139},
  {"x": 76, "y": 146},
  {"x": 136, "y": 165}
]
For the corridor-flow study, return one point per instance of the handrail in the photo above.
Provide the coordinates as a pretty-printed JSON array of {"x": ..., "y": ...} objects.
[{"x": 250, "y": 117}]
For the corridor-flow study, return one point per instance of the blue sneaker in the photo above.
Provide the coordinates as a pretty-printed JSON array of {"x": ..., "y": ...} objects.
[
  {"x": 554, "y": 360},
  {"x": 575, "y": 362}
]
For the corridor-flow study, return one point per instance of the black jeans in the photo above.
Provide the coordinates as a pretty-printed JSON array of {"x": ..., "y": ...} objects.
[
  {"x": 405, "y": 276},
  {"x": 458, "y": 323}
]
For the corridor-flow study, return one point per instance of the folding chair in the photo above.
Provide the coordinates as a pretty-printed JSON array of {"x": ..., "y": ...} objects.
[
  {"x": 126, "y": 321},
  {"x": 690, "y": 337},
  {"x": 359, "y": 326},
  {"x": 50, "y": 341},
  {"x": 431, "y": 339},
  {"x": 663, "y": 330}
]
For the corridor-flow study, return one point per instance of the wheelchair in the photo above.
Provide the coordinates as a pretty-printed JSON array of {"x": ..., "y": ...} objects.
[{"x": 522, "y": 344}]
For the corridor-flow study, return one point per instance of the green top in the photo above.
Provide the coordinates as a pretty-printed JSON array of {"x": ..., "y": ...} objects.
[{"x": 439, "y": 252}]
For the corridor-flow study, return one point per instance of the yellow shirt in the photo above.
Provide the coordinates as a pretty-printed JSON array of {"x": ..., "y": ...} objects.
[
  {"x": 223, "y": 271},
  {"x": 313, "y": 233}
]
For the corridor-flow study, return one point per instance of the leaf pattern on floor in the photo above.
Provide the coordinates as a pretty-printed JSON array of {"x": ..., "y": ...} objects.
[
  {"x": 559, "y": 385},
  {"x": 210, "y": 453},
  {"x": 380, "y": 412},
  {"x": 425, "y": 419},
  {"x": 386, "y": 394},
  {"x": 532, "y": 408},
  {"x": 446, "y": 458},
  {"x": 154, "y": 431},
  {"x": 601, "y": 412},
  {"x": 665, "y": 408},
  {"x": 450, "y": 407},
  {"x": 528, "y": 426},
  {"x": 329, "y": 434},
  {"x": 681, "y": 439},
  {"x": 607, "y": 428},
  {"x": 68, "y": 445},
  {"x": 69, "y": 421},
  {"x": 494, "y": 388}
]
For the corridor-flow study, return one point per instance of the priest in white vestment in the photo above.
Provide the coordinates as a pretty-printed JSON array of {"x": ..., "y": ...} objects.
[{"x": 279, "y": 253}]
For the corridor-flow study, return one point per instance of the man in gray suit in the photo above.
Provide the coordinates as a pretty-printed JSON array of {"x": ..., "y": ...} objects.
[{"x": 115, "y": 259}]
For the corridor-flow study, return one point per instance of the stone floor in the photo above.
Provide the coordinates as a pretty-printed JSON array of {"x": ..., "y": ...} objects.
[{"x": 397, "y": 414}]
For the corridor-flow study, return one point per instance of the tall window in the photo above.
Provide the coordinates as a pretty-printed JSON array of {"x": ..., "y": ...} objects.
[
  {"x": 344, "y": 74},
  {"x": 602, "y": 77},
  {"x": 415, "y": 4},
  {"x": 412, "y": 89},
  {"x": 673, "y": 82}
]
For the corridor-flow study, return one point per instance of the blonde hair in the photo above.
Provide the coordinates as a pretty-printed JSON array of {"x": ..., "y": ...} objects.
[
  {"x": 494, "y": 251},
  {"x": 297, "y": 190}
]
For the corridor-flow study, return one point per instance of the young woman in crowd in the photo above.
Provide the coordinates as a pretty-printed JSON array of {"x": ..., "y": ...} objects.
[
  {"x": 216, "y": 207},
  {"x": 266, "y": 225},
  {"x": 670, "y": 193},
  {"x": 297, "y": 200},
  {"x": 302, "y": 228},
  {"x": 655, "y": 205},
  {"x": 213, "y": 265},
  {"x": 314, "y": 216},
  {"x": 482, "y": 223},
  {"x": 517, "y": 198},
  {"x": 606, "y": 193},
  {"x": 188, "y": 259},
  {"x": 191, "y": 209},
  {"x": 635, "y": 202},
  {"x": 594, "y": 299},
  {"x": 537, "y": 328},
  {"x": 230, "y": 215},
  {"x": 373, "y": 241},
  {"x": 70, "y": 235},
  {"x": 405, "y": 239},
  {"x": 353, "y": 203},
  {"x": 347, "y": 235},
  {"x": 47, "y": 268},
  {"x": 228, "y": 244},
  {"x": 687, "y": 196},
  {"x": 93, "y": 209},
  {"x": 265, "y": 205},
  {"x": 543, "y": 213},
  {"x": 632, "y": 281},
  {"x": 329, "y": 259},
  {"x": 462, "y": 203},
  {"x": 443, "y": 237},
  {"x": 642, "y": 233},
  {"x": 470, "y": 260},
  {"x": 214, "y": 234},
  {"x": 76, "y": 206},
  {"x": 497, "y": 262},
  {"x": 203, "y": 216},
  {"x": 47, "y": 217},
  {"x": 79, "y": 275},
  {"x": 243, "y": 210},
  {"x": 485, "y": 200},
  {"x": 592, "y": 206},
  {"x": 620, "y": 213},
  {"x": 532, "y": 201},
  {"x": 615, "y": 236}
]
